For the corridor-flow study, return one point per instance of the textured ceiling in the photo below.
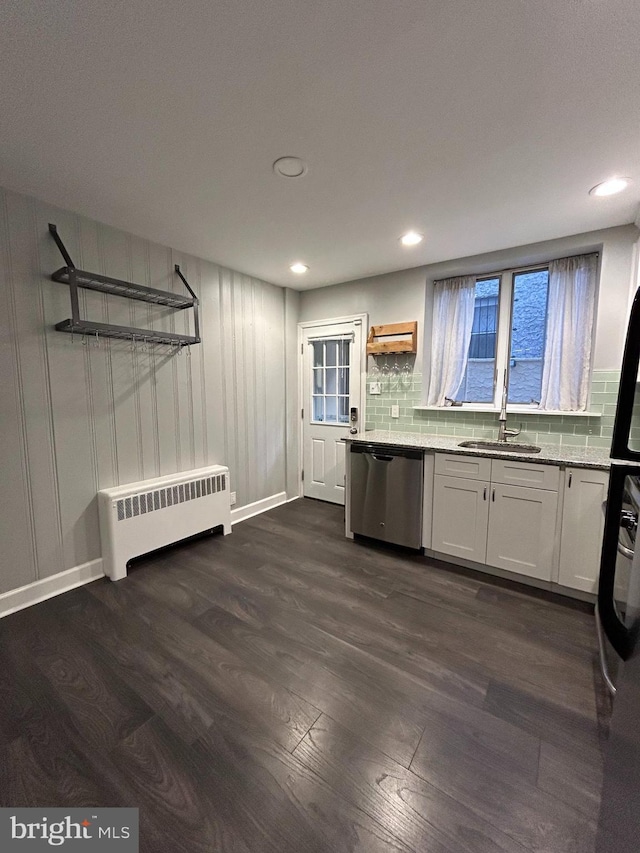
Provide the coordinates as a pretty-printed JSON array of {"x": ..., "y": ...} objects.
[{"x": 481, "y": 124}]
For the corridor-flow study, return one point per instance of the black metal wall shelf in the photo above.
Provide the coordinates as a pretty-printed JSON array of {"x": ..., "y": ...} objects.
[
  {"x": 104, "y": 284},
  {"x": 76, "y": 278},
  {"x": 125, "y": 333}
]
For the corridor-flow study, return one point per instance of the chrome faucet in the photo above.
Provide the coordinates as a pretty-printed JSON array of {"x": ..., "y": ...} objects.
[{"x": 503, "y": 432}]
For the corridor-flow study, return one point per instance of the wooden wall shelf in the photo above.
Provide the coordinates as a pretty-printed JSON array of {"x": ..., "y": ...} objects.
[{"x": 408, "y": 345}]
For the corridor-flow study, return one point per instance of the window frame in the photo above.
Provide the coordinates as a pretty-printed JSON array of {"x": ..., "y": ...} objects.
[{"x": 503, "y": 347}]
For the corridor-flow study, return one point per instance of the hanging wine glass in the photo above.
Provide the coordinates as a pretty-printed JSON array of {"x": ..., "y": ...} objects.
[
  {"x": 406, "y": 375},
  {"x": 384, "y": 374},
  {"x": 374, "y": 373},
  {"x": 394, "y": 381}
]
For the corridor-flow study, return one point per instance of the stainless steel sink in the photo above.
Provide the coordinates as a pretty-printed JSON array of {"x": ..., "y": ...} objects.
[{"x": 504, "y": 446}]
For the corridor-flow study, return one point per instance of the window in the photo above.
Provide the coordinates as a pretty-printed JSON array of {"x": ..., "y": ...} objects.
[
  {"x": 531, "y": 327},
  {"x": 527, "y": 324}
]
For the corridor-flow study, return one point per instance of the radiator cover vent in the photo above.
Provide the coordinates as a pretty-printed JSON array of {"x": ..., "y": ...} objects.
[{"x": 162, "y": 498}]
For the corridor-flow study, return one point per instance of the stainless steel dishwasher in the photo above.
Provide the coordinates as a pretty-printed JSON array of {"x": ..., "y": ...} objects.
[{"x": 386, "y": 493}]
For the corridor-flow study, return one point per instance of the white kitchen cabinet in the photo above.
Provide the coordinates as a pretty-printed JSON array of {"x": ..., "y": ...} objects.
[
  {"x": 585, "y": 491},
  {"x": 506, "y": 518},
  {"x": 460, "y": 517},
  {"x": 522, "y": 525}
]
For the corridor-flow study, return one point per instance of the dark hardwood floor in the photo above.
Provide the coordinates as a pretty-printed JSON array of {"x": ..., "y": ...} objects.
[{"x": 285, "y": 689}]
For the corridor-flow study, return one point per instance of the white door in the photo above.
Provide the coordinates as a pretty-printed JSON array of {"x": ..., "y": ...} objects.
[
  {"x": 582, "y": 528},
  {"x": 522, "y": 527},
  {"x": 332, "y": 364},
  {"x": 460, "y": 517}
]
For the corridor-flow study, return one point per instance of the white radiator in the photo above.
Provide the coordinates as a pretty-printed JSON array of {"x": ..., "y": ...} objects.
[{"x": 141, "y": 517}]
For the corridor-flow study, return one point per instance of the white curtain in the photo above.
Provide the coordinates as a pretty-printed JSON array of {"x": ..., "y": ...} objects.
[
  {"x": 567, "y": 352},
  {"x": 453, "y": 304}
]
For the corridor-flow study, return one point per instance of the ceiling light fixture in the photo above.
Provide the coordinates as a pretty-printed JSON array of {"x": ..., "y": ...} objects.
[
  {"x": 290, "y": 167},
  {"x": 298, "y": 267},
  {"x": 610, "y": 187},
  {"x": 411, "y": 238}
]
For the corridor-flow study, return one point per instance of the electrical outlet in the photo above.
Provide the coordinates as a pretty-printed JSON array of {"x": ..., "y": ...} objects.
[
  {"x": 395, "y": 411},
  {"x": 374, "y": 387},
  {"x": 233, "y": 498}
]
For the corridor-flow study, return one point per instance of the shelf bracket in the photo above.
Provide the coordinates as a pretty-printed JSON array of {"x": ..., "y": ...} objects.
[
  {"x": 73, "y": 283},
  {"x": 196, "y": 301},
  {"x": 53, "y": 230}
]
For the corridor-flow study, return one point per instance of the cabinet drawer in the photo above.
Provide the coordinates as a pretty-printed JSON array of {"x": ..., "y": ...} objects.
[
  {"x": 513, "y": 473},
  {"x": 471, "y": 467}
]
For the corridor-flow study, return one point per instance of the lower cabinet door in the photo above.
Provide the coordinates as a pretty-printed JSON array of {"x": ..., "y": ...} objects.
[
  {"x": 522, "y": 526},
  {"x": 585, "y": 492},
  {"x": 460, "y": 516}
]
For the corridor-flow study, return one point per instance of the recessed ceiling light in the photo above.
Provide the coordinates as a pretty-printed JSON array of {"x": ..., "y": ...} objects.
[
  {"x": 411, "y": 238},
  {"x": 610, "y": 187},
  {"x": 290, "y": 167},
  {"x": 298, "y": 268}
]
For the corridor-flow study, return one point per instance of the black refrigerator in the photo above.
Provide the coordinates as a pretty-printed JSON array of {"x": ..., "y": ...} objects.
[{"x": 618, "y": 612}]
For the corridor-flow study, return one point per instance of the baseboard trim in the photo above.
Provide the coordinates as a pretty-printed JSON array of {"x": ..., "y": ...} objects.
[
  {"x": 40, "y": 590},
  {"x": 546, "y": 586},
  {"x": 255, "y": 508}
]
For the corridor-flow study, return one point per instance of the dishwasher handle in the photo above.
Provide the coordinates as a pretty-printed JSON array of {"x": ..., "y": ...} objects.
[
  {"x": 386, "y": 451},
  {"x": 382, "y": 458}
]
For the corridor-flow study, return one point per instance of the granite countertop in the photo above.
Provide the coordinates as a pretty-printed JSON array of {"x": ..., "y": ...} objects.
[{"x": 550, "y": 454}]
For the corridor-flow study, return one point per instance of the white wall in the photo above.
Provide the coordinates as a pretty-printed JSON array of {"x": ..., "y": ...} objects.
[
  {"x": 75, "y": 418},
  {"x": 400, "y": 296}
]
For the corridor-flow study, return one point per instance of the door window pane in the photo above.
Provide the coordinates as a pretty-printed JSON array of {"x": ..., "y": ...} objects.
[
  {"x": 318, "y": 381},
  {"x": 343, "y": 412},
  {"x": 331, "y": 380},
  {"x": 318, "y": 353},
  {"x": 318, "y": 409},
  {"x": 477, "y": 384},
  {"x": 343, "y": 353},
  {"x": 331, "y": 409},
  {"x": 528, "y": 327},
  {"x": 331, "y": 353},
  {"x": 343, "y": 380}
]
